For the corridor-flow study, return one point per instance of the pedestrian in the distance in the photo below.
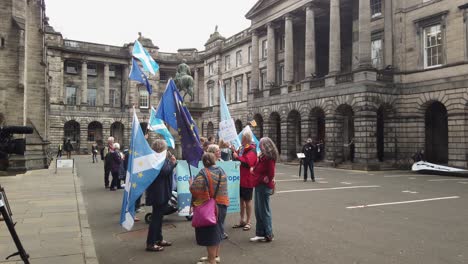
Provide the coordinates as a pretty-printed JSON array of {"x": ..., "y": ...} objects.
[
  {"x": 264, "y": 173},
  {"x": 309, "y": 151},
  {"x": 94, "y": 152},
  {"x": 68, "y": 147},
  {"x": 117, "y": 160},
  {"x": 107, "y": 154},
  {"x": 59, "y": 150}
]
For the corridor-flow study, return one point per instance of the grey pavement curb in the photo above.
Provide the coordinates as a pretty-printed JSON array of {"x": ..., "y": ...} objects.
[{"x": 87, "y": 241}]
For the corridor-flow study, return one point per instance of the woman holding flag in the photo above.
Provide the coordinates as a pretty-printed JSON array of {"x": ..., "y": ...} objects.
[{"x": 248, "y": 157}]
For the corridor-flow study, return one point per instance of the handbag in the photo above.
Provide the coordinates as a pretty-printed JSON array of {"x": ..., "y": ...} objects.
[{"x": 206, "y": 214}]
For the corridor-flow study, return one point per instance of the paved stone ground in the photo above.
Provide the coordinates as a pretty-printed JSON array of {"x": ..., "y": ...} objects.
[{"x": 51, "y": 218}]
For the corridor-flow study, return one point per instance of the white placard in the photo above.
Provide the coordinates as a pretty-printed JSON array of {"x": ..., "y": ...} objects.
[
  {"x": 227, "y": 130},
  {"x": 64, "y": 163},
  {"x": 300, "y": 155}
]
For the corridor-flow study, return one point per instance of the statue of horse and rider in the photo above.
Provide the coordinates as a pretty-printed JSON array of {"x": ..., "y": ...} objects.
[{"x": 184, "y": 80}]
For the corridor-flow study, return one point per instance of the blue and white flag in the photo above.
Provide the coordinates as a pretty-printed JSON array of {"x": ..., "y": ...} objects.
[
  {"x": 145, "y": 58},
  {"x": 144, "y": 166},
  {"x": 254, "y": 138},
  {"x": 227, "y": 129},
  {"x": 138, "y": 75},
  {"x": 157, "y": 125}
]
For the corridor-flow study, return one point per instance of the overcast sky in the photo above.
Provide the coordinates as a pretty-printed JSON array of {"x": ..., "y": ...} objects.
[{"x": 171, "y": 24}]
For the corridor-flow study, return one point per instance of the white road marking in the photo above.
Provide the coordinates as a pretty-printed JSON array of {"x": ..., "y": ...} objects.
[
  {"x": 328, "y": 189},
  {"x": 347, "y": 183},
  {"x": 288, "y": 180},
  {"x": 439, "y": 180},
  {"x": 403, "y": 202},
  {"x": 408, "y": 191},
  {"x": 406, "y": 175},
  {"x": 412, "y": 178},
  {"x": 463, "y": 182},
  {"x": 321, "y": 181}
]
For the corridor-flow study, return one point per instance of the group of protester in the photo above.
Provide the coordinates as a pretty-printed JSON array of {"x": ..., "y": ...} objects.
[
  {"x": 115, "y": 163},
  {"x": 257, "y": 174}
]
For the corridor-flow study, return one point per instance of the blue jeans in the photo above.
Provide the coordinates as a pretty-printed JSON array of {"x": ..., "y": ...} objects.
[
  {"x": 262, "y": 211},
  {"x": 309, "y": 165}
]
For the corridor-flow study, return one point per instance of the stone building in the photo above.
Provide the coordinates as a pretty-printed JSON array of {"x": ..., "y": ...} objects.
[
  {"x": 23, "y": 95},
  {"x": 388, "y": 76}
]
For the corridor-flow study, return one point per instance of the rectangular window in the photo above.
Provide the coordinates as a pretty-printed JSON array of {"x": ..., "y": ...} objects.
[
  {"x": 92, "y": 69},
  {"x": 71, "y": 95},
  {"x": 377, "y": 54},
  {"x": 249, "y": 55},
  {"x": 112, "y": 69},
  {"x": 264, "y": 49},
  {"x": 432, "y": 46},
  {"x": 238, "y": 58},
  {"x": 239, "y": 90},
  {"x": 227, "y": 63},
  {"x": 211, "y": 69},
  {"x": 144, "y": 99},
  {"x": 249, "y": 85},
  {"x": 376, "y": 8},
  {"x": 210, "y": 95},
  {"x": 281, "y": 42},
  {"x": 263, "y": 79},
  {"x": 280, "y": 74},
  {"x": 92, "y": 96},
  {"x": 227, "y": 91},
  {"x": 71, "y": 67},
  {"x": 112, "y": 98}
]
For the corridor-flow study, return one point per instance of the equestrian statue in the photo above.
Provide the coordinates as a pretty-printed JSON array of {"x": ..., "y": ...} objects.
[{"x": 184, "y": 80}]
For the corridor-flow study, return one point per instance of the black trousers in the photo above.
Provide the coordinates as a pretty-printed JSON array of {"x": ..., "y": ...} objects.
[
  {"x": 115, "y": 180},
  {"x": 309, "y": 165},
  {"x": 155, "y": 227},
  {"x": 106, "y": 176}
]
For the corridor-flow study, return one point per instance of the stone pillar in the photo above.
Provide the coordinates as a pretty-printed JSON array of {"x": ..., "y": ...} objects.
[
  {"x": 271, "y": 62},
  {"x": 84, "y": 82},
  {"x": 124, "y": 94},
  {"x": 335, "y": 38},
  {"x": 364, "y": 53},
  {"x": 310, "y": 61},
  {"x": 388, "y": 28},
  {"x": 196, "y": 91},
  {"x": 254, "y": 79},
  {"x": 106, "y": 84},
  {"x": 62, "y": 96},
  {"x": 457, "y": 138},
  {"x": 288, "y": 50},
  {"x": 365, "y": 141},
  {"x": 333, "y": 144}
]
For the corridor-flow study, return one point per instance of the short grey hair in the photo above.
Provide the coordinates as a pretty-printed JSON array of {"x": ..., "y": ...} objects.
[
  {"x": 159, "y": 145},
  {"x": 116, "y": 145},
  {"x": 247, "y": 135},
  {"x": 212, "y": 148},
  {"x": 110, "y": 139}
]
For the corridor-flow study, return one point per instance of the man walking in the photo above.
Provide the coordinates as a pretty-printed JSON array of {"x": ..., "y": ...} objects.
[
  {"x": 309, "y": 150},
  {"x": 59, "y": 150},
  {"x": 68, "y": 147},
  {"x": 107, "y": 153}
]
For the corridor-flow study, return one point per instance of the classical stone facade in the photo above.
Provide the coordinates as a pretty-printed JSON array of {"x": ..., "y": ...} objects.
[
  {"x": 23, "y": 96},
  {"x": 388, "y": 76}
]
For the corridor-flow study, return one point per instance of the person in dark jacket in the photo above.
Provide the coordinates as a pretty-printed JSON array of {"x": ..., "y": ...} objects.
[
  {"x": 158, "y": 195},
  {"x": 68, "y": 147},
  {"x": 309, "y": 150},
  {"x": 117, "y": 159}
]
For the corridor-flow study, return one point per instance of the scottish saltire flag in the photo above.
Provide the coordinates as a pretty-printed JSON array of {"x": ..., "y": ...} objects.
[
  {"x": 254, "y": 138},
  {"x": 144, "y": 166},
  {"x": 145, "y": 58},
  {"x": 167, "y": 108},
  {"x": 227, "y": 129},
  {"x": 137, "y": 74},
  {"x": 191, "y": 148},
  {"x": 157, "y": 125}
]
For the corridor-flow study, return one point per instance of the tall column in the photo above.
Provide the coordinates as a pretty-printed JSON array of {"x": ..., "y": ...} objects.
[
  {"x": 310, "y": 58},
  {"x": 196, "y": 91},
  {"x": 335, "y": 38},
  {"x": 124, "y": 93},
  {"x": 62, "y": 96},
  {"x": 364, "y": 34},
  {"x": 254, "y": 79},
  {"x": 106, "y": 84},
  {"x": 84, "y": 82},
  {"x": 271, "y": 62},
  {"x": 288, "y": 50},
  {"x": 388, "y": 28}
]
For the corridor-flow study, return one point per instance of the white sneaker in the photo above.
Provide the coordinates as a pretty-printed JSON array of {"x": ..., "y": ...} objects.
[
  {"x": 203, "y": 259},
  {"x": 257, "y": 238}
]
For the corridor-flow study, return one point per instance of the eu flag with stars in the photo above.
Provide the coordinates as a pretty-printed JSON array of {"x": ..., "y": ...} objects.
[
  {"x": 137, "y": 74},
  {"x": 168, "y": 108},
  {"x": 144, "y": 166},
  {"x": 191, "y": 148}
]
